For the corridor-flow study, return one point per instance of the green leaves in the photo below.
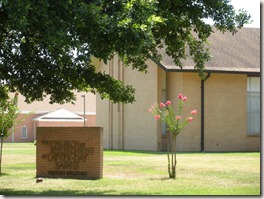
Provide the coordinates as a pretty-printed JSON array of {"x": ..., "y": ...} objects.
[
  {"x": 46, "y": 46},
  {"x": 171, "y": 121},
  {"x": 174, "y": 122},
  {"x": 242, "y": 18},
  {"x": 8, "y": 113}
]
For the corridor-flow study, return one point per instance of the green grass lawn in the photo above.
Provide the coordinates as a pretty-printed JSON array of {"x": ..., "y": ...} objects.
[{"x": 137, "y": 173}]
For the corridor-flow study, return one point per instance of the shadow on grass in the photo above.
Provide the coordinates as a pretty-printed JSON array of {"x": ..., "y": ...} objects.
[
  {"x": 128, "y": 152},
  {"x": 187, "y": 153},
  {"x": 162, "y": 179},
  {"x": 12, "y": 192},
  {"x": 4, "y": 174},
  {"x": 27, "y": 193}
]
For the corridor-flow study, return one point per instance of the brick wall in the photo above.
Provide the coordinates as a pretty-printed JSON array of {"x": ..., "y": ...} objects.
[
  {"x": 70, "y": 152},
  {"x": 16, "y": 136}
]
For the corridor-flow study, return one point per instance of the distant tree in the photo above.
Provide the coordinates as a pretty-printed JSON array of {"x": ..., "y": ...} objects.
[
  {"x": 46, "y": 47},
  {"x": 9, "y": 112}
]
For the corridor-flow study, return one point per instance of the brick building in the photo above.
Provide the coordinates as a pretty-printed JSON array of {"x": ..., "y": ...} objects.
[
  {"x": 228, "y": 102},
  {"x": 46, "y": 114}
]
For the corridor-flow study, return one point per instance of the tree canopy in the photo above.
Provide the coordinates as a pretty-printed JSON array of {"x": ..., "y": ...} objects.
[{"x": 46, "y": 47}]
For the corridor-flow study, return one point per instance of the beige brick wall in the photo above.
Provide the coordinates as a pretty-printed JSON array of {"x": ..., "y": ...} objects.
[
  {"x": 109, "y": 114},
  {"x": 226, "y": 114},
  {"x": 70, "y": 152},
  {"x": 191, "y": 134},
  {"x": 161, "y": 86},
  {"x": 140, "y": 126},
  {"x": 130, "y": 126},
  {"x": 189, "y": 85}
]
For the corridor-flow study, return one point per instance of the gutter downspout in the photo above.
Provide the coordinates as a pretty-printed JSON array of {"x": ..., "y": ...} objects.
[
  {"x": 34, "y": 122},
  {"x": 202, "y": 110}
]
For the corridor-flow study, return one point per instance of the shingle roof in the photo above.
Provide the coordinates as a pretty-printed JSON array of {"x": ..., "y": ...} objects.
[{"x": 239, "y": 53}]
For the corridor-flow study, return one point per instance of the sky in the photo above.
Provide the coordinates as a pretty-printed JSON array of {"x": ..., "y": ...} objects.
[{"x": 253, "y": 8}]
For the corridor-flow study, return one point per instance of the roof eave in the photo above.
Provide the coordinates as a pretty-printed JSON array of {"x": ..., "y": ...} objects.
[
  {"x": 212, "y": 71},
  {"x": 206, "y": 71}
]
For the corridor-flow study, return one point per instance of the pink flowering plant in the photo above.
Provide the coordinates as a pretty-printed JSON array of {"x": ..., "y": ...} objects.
[{"x": 175, "y": 123}]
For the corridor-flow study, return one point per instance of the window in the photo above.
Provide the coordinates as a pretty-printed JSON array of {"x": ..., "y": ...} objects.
[
  {"x": 24, "y": 132},
  {"x": 253, "y": 105}
]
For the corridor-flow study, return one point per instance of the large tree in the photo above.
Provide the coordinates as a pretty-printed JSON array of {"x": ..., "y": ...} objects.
[{"x": 46, "y": 46}]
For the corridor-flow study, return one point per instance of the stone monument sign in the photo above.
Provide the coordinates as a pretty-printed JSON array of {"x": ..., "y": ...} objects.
[{"x": 70, "y": 152}]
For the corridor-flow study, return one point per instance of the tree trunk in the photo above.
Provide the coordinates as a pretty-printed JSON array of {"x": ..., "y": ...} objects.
[
  {"x": 1, "y": 152},
  {"x": 171, "y": 154},
  {"x": 168, "y": 152}
]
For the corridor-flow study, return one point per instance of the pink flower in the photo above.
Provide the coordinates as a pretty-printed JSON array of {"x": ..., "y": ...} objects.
[
  {"x": 162, "y": 105},
  {"x": 190, "y": 119},
  {"x": 184, "y": 98},
  {"x": 157, "y": 117},
  {"x": 149, "y": 110},
  {"x": 193, "y": 112},
  {"x": 178, "y": 117},
  {"x": 180, "y": 96},
  {"x": 168, "y": 103}
]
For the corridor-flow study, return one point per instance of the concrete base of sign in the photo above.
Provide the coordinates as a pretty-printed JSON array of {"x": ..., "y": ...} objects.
[{"x": 70, "y": 152}]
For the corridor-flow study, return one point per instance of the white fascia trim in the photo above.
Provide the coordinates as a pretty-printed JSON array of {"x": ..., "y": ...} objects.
[
  {"x": 43, "y": 112},
  {"x": 49, "y": 120}
]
